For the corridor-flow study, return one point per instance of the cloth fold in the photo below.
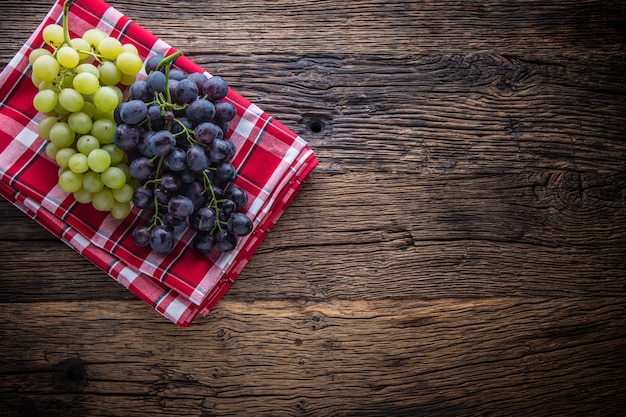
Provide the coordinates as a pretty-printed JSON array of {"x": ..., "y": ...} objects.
[{"x": 272, "y": 162}]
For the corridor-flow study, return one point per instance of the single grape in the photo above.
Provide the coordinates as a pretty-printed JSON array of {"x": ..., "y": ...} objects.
[
  {"x": 106, "y": 99},
  {"x": 141, "y": 235},
  {"x": 152, "y": 62},
  {"x": 78, "y": 163},
  {"x": 141, "y": 168},
  {"x": 109, "y": 73},
  {"x": 225, "y": 172},
  {"x": 197, "y": 159},
  {"x": 86, "y": 83},
  {"x": 70, "y": 181},
  {"x": 221, "y": 150},
  {"x": 103, "y": 200},
  {"x": 80, "y": 122},
  {"x": 153, "y": 112},
  {"x": 67, "y": 56},
  {"x": 203, "y": 219},
  {"x": 239, "y": 224},
  {"x": 99, "y": 160},
  {"x": 62, "y": 135},
  {"x": 225, "y": 241},
  {"x": 81, "y": 46},
  {"x": 180, "y": 206},
  {"x": 161, "y": 239},
  {"x": 206, "y": 132},
  {"x": 239, "y": 196},
  {"x": 157, "y": 82},
  {"x": 143, "y": 198},
  {"x": 36, "y": 53},
  {"x": 87, "y": 67},
  {"x": 120, "y": 210},
  {"x": 176, "y": 74},
  {"x": 126, "y": 136},
  {"x": 63, "y": 156},
  {"x": 110, "y": 47},
  {"x": 170, "y": 183},
  {"x": 113, "y": 177},
  {"x": 104, "y": 130},
  {"x": 123, "y": 194},
  {"x": 227, "y": 208},
  {"x": 178, "y": 226},
  {"x": 161, "y": 143},
  {"x": 142, "y": 144},
  {"x": 139, "y": 91},
  {"x": 53, "y": 35},
  {"x": 45, "y": 125},
  {"x": 176, "y": 160},
  {"x": 117, "y": 155},
  {"x": 46, "y": 68},
  {"x": 94, "y": 36},
  {"x": 71, "y": 100},
  {"x": 199, "y": 79},
  {"x": 133, "y": 111},
  {"x": 92, "y": 182},
  {"x": 82, "y": 196},
  {"x": 225, "y": 111},
  {"x": 45, "y": 101},
  {"x": 200, "y": 110},
  {"x": 186, "y": 91},
  {"x": 215, "y": 88},
  {"x": 128, "y": 63}
]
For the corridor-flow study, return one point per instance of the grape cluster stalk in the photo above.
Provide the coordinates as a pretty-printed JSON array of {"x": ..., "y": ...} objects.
[
  {"x": 78, "y": 81},
  {"x": 174, "y": 126}
]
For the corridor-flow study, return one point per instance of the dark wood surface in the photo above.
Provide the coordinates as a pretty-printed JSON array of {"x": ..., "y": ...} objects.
[{"x": 460, "y": 250}]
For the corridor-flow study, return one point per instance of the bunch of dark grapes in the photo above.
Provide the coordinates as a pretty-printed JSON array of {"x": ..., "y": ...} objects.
[{"x": 174, "y": 126}]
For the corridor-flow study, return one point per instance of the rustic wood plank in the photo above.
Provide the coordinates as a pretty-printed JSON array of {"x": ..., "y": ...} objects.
[{"x": 385, "y": 357}]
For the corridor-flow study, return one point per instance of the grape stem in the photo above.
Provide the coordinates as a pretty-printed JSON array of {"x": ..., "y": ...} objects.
[{"x": 66, "y": 31}]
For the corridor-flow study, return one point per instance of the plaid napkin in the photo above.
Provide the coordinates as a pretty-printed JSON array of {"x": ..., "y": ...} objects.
[{"x": 272, "y": 161}]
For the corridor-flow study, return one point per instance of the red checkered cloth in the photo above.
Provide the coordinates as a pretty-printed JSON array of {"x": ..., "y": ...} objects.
[{"x": 272, "y": 162}]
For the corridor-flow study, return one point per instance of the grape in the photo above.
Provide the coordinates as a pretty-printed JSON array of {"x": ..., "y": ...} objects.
[
  {"x": 225, "y": 111},
  {"x": 204, "y": 219},
  {"x": 239, "y": 224},
  {"x": 62, "y": 135},
  {"x": 117, "y": 155},
  {"x": 139, "y": 91},
  {"x": 123, "y": 194},
  {"x": 99, "y": 160},
  {"x": 204, "y": 242},
  {"x": 225, "y": 241},
  {"x": 227, "y": 209},
  {"x": 120, "y": 210},
  {"x": 46, "y": 68},
  {"x": 63, "y": 156},
  {"x": 109, "y": 73},
  {"x": 78, "y": 163},
  {"x": 67, "y": 56},
  {"x": 104, "y": 130},
  {"x": 45, "y": 101},
  {"x": 215, "y": 88},
  {"x": 133, "y": 111},
  {"x": 161, "y": 239},
  {"x": 195, "y": 192},
  {"x": 152, "y": 62},
  {"x": 143, "y": 198},
  {"x": 71, "y": 100},
  {"x": 82, "y": 196},
  {"x": 186, "y": 91},
  {"x": 239, "y": 196},
  {"x": 92, "y": 182},
  {"x": 161, "y": 143},
  {"x": 197, "y": 159},
  {"x": 141, "y": 235},
  {"x": 201, "y": 110},
  {"x": 221, "y": 150},
  {"x": 128, "y": 63},
  {"x": 126, "y": 136},
  {"x": 87, "y": 67},
  {"x": 80, "y": 122},
  {"x": 70, "y": 182},
  {"x": 87, "y": 143},
  {"x": 86, "y": 82},
  {"x": 103, "y": 200},
  {"x": 206, "y": 132},
  {"x": 176, "y": 75},
  {"x": 178, "y": 226},
  {"x": 176, "y": 160},
  {"x": 225, "y": 172},
  {"x": 113, "y": 177},
  {"x": 170, "y": 183},
  {"x": 53, "y": 35},
  {"x": 81, "y": 46},
  {"x": 157, "y": 82},
  {"x": 180, "y": 206},
  {"x": 141, "y": 168},
  {"x": 94, "y": 36},
  {"x": 153, "y": 112},
  {"x": 105, "y": 98},
  {"x": 45, "y": 125},
  {"x": 110, "y": 47},
  {"x": 36, "y": 53}
]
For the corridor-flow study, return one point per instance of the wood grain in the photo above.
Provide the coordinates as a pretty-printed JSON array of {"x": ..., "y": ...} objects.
[{"x": 459, "y": 251}]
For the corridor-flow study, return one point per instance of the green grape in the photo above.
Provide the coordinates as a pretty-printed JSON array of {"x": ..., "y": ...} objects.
[
  {"x": 78, "y": 163},
  {"x": 67, "y": 56},
  {"x": 71, "y": 100},
  {"x": 53, "y": 35},
  {"x": 60, "y": 110},
  {"x": 113, "y": 177},
  {"x": 110, "y": 47},
  {"x": 46, "y": 68},
  {"x": 82, "y": 196},
  {"x": 36, "y": 80},
  {"x": 125, "y": 168},
  {"x": 129, "y": 63},
  {"x": 70, "y": 181},
  {"x": 51, "y": 150},
  {"x": 109, "y": 73},
  {"x": 67, "y": 79},
  {"x": 106, "y": 99},
  {"x": 128, "y": 79},
  {"x": 86, "y": 67},
  {"x": 120, "y": 210},
  {"x": 92, "y": 182},
  {"x": 124, "y": 193},
  {"x": 81, "y": 46},
  {"x": 94, "y": 36},
  {"x": 87, "y": 143},
  {"x": 36, "y": 53},
  {"x": 99, "y": 160},
  {"x": 129, "y": 47},
  {"x": 104, "y": 130},
  {"x": 117, "y": 155},
  {"x": 45, "y": 101},
  {"x": 45, "y": 125},
  {"x": 103, "y": 200},
  {"x": 62, "y": 135},
  {"x": 86, "y": 83},
  {"x": 89, "y": 109},
  {"x": 63, "y": 157},
  {"x": 45, "y": 85},
  {"x": 79, "y": 122}
]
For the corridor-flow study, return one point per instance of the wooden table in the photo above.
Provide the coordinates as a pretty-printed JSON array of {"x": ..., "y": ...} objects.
[{"x": 459, "y": 251}]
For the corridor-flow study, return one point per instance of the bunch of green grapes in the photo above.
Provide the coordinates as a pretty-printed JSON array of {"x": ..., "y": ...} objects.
[{"x": 80, "y": 83}]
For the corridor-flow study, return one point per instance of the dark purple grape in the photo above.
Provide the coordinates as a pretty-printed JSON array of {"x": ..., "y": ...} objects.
[
  {"x": 141, "y": 168},
  {"x": 176, "y": 160},
  {"x": 221, "y": 150},
  {"x": 204, "y": 242},
  {"x": 187, "y": 176},
  {"x": 143, "y": 198},
  {"x": 215, "y": 88},
  {"x": 139, "y": 91},
  {"x": 161, "y": 239},
  {"x": 227, "y": 208},
  {"x": 153, "y": 62},
  {"x": 225, "y": 111},
  {"x": 170, "y": 183},
  {"x": 133, "y": 112},
  {"x": 161, "y": 143},
  {"x": 126, "y": 136},
  {"x": 225, "y": 241},
  {"x": 197, "y": 159},
  {"x": 239, "y": 196},
  {"x": 141, "y": 235},
  {"x": 153, "y": 112},
  {"x": 225, "y": 172},
  {"x": 180, "y": 206},
  {"x": 200, "y": 111},
  {"x": 177, "y": 225},
  {"x": 176, "y": 74},
  {"x": 156, "y": 82},
  {"x": 195, "y": 192},
  {"x": 142, "y": 144},
  {"x": 186, "y": 91},
  {"x": 239, "y": 224},
  {"x": 206, "y": 132},
  {"x": 203, "y": 219},
  {"x": 198, "y": 78},
  {"x": 161, "y": 196}
]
